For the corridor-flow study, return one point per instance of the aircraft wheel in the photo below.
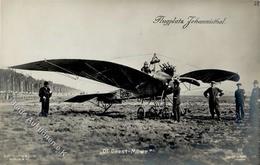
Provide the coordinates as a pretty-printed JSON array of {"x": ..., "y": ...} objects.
[
  {"x": 155, "y": 113},
  {"x": 166, "y": 113},
  {"x": 150, "y": 113},
  {"x": 161, "y": 114},
  {"x": 140, "y": 113}
]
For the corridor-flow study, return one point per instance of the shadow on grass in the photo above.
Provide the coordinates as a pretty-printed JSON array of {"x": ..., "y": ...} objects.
[
  {"x": 196, "y": 117},
  {"x": 113, "y": 114}
]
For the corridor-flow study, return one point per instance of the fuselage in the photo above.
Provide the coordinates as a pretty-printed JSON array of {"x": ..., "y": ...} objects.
[{"x": 155, "y": 89}]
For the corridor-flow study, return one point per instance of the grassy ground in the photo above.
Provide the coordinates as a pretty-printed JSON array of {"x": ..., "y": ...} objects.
[{"x": 88, "y": 137}]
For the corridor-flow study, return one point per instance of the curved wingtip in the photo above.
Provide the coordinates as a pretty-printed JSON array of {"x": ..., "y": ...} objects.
[
  {"x": 27, "y": 66},
  {"x": 15, "y": 67},
  {"x": 217, "y": 75},
  {"x": 235, "y": 77}
]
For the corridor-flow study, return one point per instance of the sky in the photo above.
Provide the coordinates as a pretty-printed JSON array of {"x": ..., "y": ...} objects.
[{"x": 124, "y": 32}]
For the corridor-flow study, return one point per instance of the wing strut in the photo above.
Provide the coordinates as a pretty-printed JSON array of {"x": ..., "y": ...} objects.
[
  {"x": 77, "y": 77},
  {"x": 187, "y": 87},
  {"x": 103, "y": 105},
  {"x": 99, "y": 73}
]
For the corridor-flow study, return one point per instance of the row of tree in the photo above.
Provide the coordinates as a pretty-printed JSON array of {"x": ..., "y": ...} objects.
[{"x": 11, "y": 81}]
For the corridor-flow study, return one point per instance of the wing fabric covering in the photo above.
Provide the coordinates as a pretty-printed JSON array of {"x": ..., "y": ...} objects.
[
  {"x": 105, "y": 97},
  {"x": 208, "y": 75},
  {"x": 105, "y": 72},
  {"x": 83, "y": 98},
  {"x": 189, "y": 80}
]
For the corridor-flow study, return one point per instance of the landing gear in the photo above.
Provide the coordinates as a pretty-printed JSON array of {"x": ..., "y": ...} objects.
[
  {"x": 165, "y": 113},
  {"x": 153, "y": 113},
  {"x": 160, "y": 109},
  {"x": 106, "y": 106}
]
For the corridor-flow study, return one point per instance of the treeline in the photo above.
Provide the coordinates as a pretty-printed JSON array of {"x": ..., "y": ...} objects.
[{"x": 11, "y": 81}]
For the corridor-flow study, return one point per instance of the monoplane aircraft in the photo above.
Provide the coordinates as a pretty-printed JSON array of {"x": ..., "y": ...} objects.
[{"x": 132, "y": 83}]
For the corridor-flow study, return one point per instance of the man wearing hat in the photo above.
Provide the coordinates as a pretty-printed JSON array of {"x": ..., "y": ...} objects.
[
  {"x": 146, "y": 68},
  {"x": 239, "y": 99},
  {"x": 45, "y": 94},
  {"x": 213, "y": 93},
  {"x": 154, "y": 61},
  {"x": 255, "y": 96},
  {"x": 176, "y": 100}
]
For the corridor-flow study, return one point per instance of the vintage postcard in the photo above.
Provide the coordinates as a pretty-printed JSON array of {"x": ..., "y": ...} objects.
[{"x": 129, "y": 82}]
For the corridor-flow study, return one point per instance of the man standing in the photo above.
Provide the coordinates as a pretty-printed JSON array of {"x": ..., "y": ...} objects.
[
  {"x": 45, "y": 94},
  {"x": 255, "y": 96},
  {"x": 176, "y": 100},
  {"x": 213, "y": 93},
  {"x": 239, "y": 99}
]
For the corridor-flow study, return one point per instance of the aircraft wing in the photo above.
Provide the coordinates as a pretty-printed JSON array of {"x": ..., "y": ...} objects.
[
  {"x": 110, "y": 97},
  {"x": 208, "y": 75},
  {"x": 87, "y": 97},
  {"x": 105, "y": 72},
  {"x": 189, "y": 80},
  {"x": 81, "y": 98}
]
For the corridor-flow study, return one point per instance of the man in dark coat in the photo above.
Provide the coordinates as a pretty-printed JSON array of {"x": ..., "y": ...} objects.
[
  {"x": 213, "y": 93},
  {"x": 176, "y": 100},
  {"x": 239, "y": 99},
  {"x": 254, "y": 101},
  {"x": 146, "y": 68},
  {"x": 45, "y": 94}
]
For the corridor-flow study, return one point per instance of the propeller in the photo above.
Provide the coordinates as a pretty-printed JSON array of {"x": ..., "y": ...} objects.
[
  {"x": 184, "y": 80},
  {"x": 170, "y": 70}
]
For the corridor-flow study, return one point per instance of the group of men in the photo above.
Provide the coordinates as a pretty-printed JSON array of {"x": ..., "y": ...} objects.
[{"x": 213, "y": 94}]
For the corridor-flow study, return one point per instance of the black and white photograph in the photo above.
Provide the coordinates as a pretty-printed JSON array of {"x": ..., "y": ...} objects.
[{"x": 127, "y": 82}]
